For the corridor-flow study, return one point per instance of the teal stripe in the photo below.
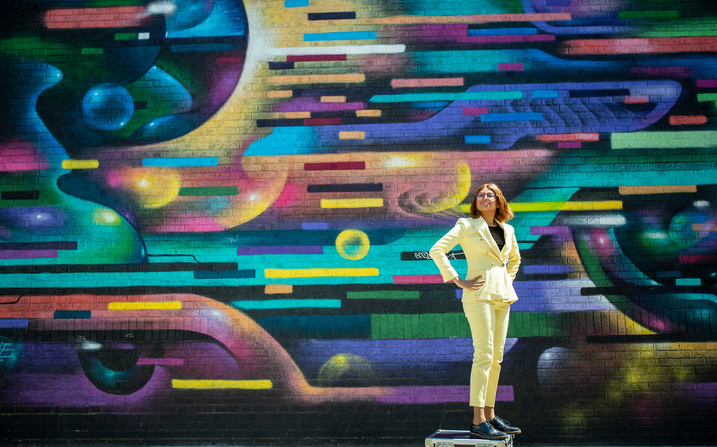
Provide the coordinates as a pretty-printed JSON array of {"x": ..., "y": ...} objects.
[
  {"x": 287, "y": 304},
  {"x": 467, "y": 96},
  {"x": 348, "y": 35}
]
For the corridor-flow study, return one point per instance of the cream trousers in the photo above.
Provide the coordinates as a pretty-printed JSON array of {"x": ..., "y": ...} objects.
[{"x": 489, "y": 328}]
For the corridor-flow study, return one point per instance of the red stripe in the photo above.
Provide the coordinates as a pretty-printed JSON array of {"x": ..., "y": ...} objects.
[
  {"x": 316, "y": 58},
  {"x": 322, "y": 121}
]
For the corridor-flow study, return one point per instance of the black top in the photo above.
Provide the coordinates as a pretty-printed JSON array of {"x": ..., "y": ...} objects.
[{"x": 498, "y": 236}]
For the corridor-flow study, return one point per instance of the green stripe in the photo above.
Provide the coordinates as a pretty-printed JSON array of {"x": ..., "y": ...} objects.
[
  {"x": 384, "y": 295},
  {"x": 455, "y": 325},
  {"x": 125, "y": 36},
  {"x": 648, "y": 14},
  {"x": 92, "y": 51},
  {"x": 664, "y": 140},
  {"x": 209, "y": 191}
]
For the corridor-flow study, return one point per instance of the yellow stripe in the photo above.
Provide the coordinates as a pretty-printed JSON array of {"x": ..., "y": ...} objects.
[
  {"x": 297, "y": 115},
  {"x": 351, "y": 203},
  {"x": 333, "y": 99},
  {"x": 281, "y": 93},
  {"x": 222, "y": 384},
  {"x": 145, "y": 305},
  {"x": 368, "y": 113},
  {"x": 313, "y": 273},
  {"x": 318, "y": 79},
  {"x": 566, "y": 206},
  {"x": 80, "y": 164},
  {"x": 670, "y": 189},
  {"x": 346, "y": 135}
]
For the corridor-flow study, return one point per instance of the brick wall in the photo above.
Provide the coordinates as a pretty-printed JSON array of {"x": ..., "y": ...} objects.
[{"x": 215, "y": 217}]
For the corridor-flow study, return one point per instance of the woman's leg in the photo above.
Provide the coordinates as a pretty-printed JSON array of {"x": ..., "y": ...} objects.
[
  {"x": 500, "y": 333},
  {"x": 481, "y": 318}
]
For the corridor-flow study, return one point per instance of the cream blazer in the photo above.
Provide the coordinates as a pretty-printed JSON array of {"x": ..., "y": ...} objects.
[{"x": 498, "y": 267}]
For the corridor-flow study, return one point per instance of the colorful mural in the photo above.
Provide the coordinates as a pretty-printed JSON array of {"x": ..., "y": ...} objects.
[{"x": 223, "y": 209}]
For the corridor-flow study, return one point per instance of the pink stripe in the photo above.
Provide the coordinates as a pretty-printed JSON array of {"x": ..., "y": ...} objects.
[
  {"x": 509, "y": 38},
  {"x": 27, "y": 254},
  {"x": 322, "y": 106},
  {"x": 578, "y": 136},
  {"x": 438, "y": 394},
  {"x": 706, "y": 83},
  {"x": 517, "y": 66},
  {"x": 161, "y": 362},
  {"x": 570, "y": 145},
  {"x": 17, "y": 165},
  {"x": 446, "y": 82},
  {"x": 316, "y": 58},
  {"x": 475, "y": 110},
  {"x": 417, "y": 279}
]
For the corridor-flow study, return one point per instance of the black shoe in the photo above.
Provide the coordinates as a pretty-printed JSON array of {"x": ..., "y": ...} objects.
[
  {"x": 486, "y": 431},
  {"x": 504, "y": 426}
]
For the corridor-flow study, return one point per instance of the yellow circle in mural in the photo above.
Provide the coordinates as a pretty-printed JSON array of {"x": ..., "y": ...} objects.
[
  {"x": 346, "y": 370},
  {"x": 153, "y": 188},
  {"x": 352, "y": 244},
  {"x": 106, "y": 217}
]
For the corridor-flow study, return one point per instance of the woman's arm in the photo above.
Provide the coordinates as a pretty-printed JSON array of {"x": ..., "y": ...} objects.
[
  {"x": 444, "y": 245},
  {"x": 513, "y": 256}
]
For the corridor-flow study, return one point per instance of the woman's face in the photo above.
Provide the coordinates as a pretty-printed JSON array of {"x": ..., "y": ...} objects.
[{"x": 486, "y": 200}]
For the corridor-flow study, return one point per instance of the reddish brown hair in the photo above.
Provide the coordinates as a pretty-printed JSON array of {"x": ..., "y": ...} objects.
[{"x": 503, "y": 213}]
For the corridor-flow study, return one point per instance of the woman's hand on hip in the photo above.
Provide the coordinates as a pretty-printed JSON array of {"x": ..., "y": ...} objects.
[{"x": 471, "y": 284}]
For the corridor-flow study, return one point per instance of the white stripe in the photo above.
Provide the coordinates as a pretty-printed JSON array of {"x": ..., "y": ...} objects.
[{"x": 353, "y": 49}]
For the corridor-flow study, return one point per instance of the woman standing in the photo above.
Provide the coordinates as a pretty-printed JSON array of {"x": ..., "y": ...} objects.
[{"x": 493, "y": 260}]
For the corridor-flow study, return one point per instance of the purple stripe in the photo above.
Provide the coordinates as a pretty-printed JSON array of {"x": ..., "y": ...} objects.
[
  {"x": 550, "y": 230},
  {"x": 27, "y": 254},
  {"x": 570, "y": 145},
  {"x": 438, "y": 394},
  {"x": 9, "y": 323},
  {"x": 293, "y": 250},
  {"x": 322, "y": 106},
  {"x": 314, "y": 226},
  {"x": 548, "y": 269}
]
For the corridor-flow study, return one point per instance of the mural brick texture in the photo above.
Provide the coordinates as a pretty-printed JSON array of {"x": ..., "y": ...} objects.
[{"x": 215, "y": 218}]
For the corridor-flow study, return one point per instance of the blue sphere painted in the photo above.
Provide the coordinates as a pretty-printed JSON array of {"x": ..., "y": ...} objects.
[{"x": 107, "y": 107}]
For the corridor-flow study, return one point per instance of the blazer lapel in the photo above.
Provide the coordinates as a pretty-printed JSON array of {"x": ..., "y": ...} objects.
[{"x": 483, "y": 230}]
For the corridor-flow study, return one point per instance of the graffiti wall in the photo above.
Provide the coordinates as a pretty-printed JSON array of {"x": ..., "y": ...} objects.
[{"x": 215, "y": 217}]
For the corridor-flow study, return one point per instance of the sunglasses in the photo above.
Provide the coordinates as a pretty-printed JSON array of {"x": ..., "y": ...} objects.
[{"x": 489, "y": 195}]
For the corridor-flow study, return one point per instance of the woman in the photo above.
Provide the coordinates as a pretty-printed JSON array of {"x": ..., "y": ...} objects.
[{"x": 493, "y": 259}]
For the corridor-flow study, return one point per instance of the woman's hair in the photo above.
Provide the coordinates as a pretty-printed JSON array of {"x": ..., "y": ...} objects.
[{"x": 503, "y": 213}]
